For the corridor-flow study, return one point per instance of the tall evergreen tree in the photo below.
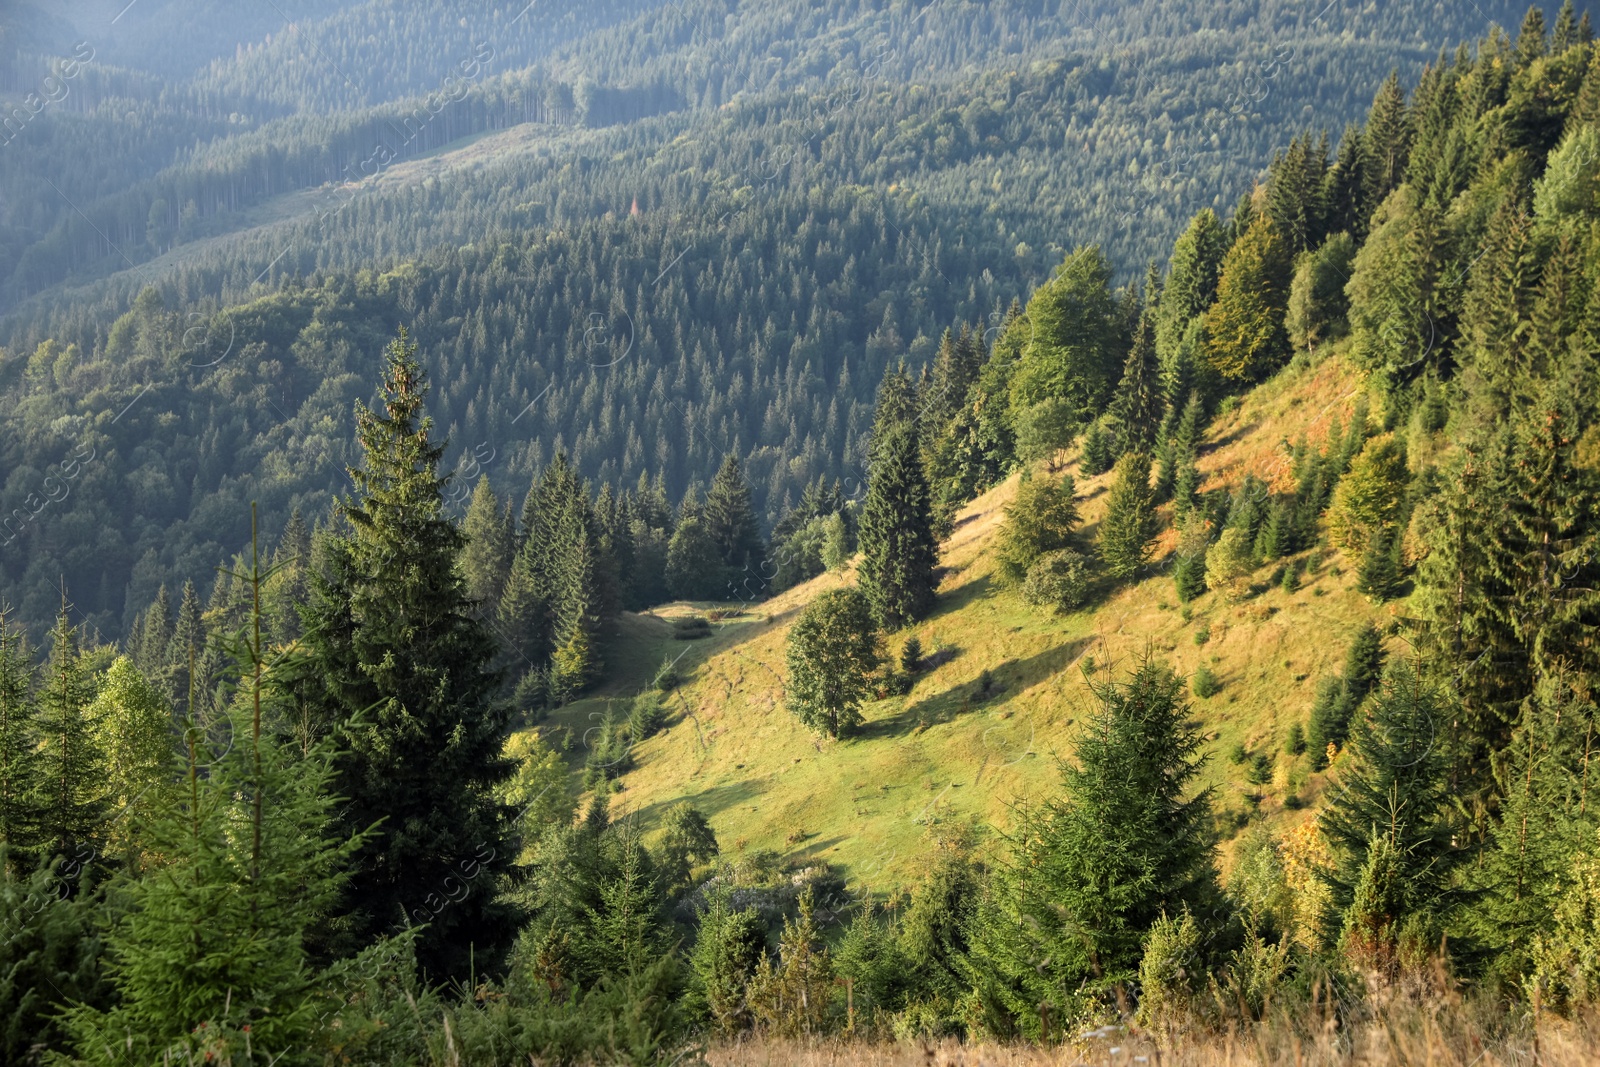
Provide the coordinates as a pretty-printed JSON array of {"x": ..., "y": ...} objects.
[
  {"x": 19, "y": 758},
  {"x": 898, "y": 550},
  {"x": 1245, "y": 334},
  {"x": 731, "y": 523},
  {"x": 71, "y": 768},
  {"x": 486, "y": 560},
  {"x": 1136, "y": 408},
  {"x": 1385, "y": 145},
  {"x": 1127, "y": 841},
  {"x": 1396, "y": 790},
  {"x": 1129, "y": 525},
  {"x": 407, "y": 676}
]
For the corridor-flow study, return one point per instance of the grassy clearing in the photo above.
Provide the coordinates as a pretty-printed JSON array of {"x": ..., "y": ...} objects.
[{"x": 951, "y": 752}]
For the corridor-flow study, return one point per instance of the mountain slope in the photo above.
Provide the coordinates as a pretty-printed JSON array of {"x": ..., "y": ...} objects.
[{"x": 945, "y": 754}]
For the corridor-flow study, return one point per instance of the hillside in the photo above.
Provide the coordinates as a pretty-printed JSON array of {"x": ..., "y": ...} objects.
[{"x": 945, "y": 754}]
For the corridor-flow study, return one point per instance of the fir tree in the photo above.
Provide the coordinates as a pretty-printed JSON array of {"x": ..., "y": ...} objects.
[
  {"x": 1531, "y": 42},
  {"x": 188, "y": 632},
  {"x": 898, "y": 551},
  {"x": 1565, "y": 33},
  {"x": 406, "y": 675},
  {"x": 832, "y": 652},
  {"x": 1129, "y": 525}
]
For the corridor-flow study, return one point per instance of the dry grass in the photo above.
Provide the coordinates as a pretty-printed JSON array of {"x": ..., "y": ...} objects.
[{"x": 1439, "y": 1036}]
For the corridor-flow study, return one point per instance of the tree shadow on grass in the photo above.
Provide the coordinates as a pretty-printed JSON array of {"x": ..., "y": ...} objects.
[
  {"x": 1008, "y": 678},
  {"x": 709, "y": 802}
]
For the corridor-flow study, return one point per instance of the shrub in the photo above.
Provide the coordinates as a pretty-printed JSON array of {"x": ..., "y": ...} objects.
[
  {"x": 911, "y": 655},
  {"x": 1260, "y": 770},
  {"x": 1229, "y": 564},
  {"x": 1058, "y": 580},
  {"x": 1204, "y": 683},
  {"x": 646, "y": 716},
  {"x": 1297, "y": 740},
  {"x": 1237, "y": 753},
  {"x": 1171, "y": 972},
  {"x": 667, "y": 678},
  {"x": 691, "y": 628},
  {"x": 1039, "y": 522}
]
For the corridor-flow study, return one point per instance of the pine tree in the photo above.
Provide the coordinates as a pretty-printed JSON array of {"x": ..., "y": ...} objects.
[
  {"x": 1379, "y": 576},
  {"x": 19, "y": 760},
  {"x": 406, "y": 675},
  {"x": 832, "y": 652},
  {"x": 1129, "y": 525},
  {"x": 731, "y": 524},
  {"x": 1094, "y": 870},
  {"x": 898, "y": 550},
  {"x": 73, "y": 805}
]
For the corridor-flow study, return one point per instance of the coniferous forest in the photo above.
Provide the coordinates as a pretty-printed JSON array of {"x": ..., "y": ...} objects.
[{"x": 402, "y": 409}]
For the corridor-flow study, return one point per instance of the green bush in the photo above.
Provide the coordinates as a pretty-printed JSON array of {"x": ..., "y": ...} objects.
[
  {"x": 1204, "y": 684},
  {"x": 1297, "y": 740},
  {"x": 1059, "y": 581},
  {"x": 667, "y": 678}
]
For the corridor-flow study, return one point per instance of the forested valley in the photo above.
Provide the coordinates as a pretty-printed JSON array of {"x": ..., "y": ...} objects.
[{"x": 383, "y": 392}]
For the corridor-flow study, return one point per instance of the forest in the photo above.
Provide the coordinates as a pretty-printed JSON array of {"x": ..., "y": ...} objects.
[{"x": 299, "y": 576}]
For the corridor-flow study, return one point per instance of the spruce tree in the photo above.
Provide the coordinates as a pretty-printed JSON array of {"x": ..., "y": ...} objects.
[
  {"x": 1136, "y": 408},
  {"x": 407, "y": 676},
  {"x": 1385, "y": 145},
  {"x": 898, "y": 551},
  {"x": 486, "y": 560},
  {"x": 1191, "y": 284},
  {"x": 188, "y": 632},
  {"x": 1543, "y": 819},
  {"x": 73, "y": 806},
  {"x": 19, "y": 758},
  {"x": 731, "y": 523},
  {"x": 1531, "y": 42},
  {"x": 1127, "y": 841},
  {"x": 210, "y": 960},
  {"x": 1395, "y": 789},
  {"x": 1129, "y": 525},
  {"x": 832, "y": 652}
]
